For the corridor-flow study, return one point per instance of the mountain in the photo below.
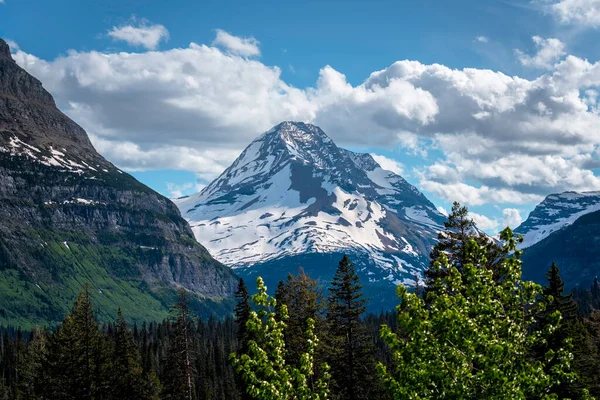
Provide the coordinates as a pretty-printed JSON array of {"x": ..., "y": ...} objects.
[
  {"x": 293, "y": 198},
  {"x": 68, "y": 216},
  {"x": 564, "y": 228},
  {"x": 556, "y": 212}
]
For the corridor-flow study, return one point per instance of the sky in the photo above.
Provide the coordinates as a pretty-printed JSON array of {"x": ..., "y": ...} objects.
[{"x": 490, "y": 103}]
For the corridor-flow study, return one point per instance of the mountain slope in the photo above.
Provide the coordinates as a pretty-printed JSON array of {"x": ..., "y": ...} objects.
[
  {"x": 68, "y": 216},
  {"x": 574, "y": 248},
  {"x": 564, "y": 228},
  {"x": 556, "y": 212},
  {"x": 294, "y": 196}
]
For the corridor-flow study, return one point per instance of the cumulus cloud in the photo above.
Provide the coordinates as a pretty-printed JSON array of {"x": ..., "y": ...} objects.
[
  {"x": 511, "y": 217},
  {"x": 389, "y": 164},
  {"x": 502, "y": 139},
  {"x": 581, "y": 12},
  {"x": 140, "y": 34},
  {"x": 482, "y": 39},
  {"x": 246, "y": 47},
  {"x": 483, "y": 222},
  {"x": 548, "y": 52}
]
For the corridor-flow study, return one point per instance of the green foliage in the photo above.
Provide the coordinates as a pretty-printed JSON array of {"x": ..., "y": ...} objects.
[
  {"x": 263, "y": 369},
  {"x": 472, "y": 338},
  {"x": 459, "y": 229}
]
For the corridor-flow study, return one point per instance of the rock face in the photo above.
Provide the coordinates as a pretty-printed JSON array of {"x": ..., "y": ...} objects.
[
  {"x": 68, "y": 216},
  {"x": 293, "y": 198},
  {"x": 564, "y": 228}
]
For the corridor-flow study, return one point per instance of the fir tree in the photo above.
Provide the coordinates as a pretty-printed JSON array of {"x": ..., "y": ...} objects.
[
  {"x": 304, "y": 301},
  {"x": 349, "y": 349},
  {"x": 128, "y": 380},
  {"x": 242, "y": 313},
  {"x": 459, "y": 229},
  {"x": 77, "y": 364},
  {"x": 178, "y": 381}
]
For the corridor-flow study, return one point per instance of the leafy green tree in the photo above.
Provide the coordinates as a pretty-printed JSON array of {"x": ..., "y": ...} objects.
[
  {"x": 77, "y": 362},
  {"x": 349, "y": 348},
  {"x": 459, "y": 229},
  {"x": 178, "y": 379},
  {"x": 472, "y": 339},
  {"x": 129, "y": 381},
  {"x": 263, "y": 369}
]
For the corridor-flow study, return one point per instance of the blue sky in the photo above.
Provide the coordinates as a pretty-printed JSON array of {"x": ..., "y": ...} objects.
[{"x": 315, "y": 57}]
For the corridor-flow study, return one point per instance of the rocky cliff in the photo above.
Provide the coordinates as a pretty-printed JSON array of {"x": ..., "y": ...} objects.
[{"x": 68, "y": 216}]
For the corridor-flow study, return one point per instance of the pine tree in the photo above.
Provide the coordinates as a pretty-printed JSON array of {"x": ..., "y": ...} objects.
[
  {"x": 77, "y": 365},
  {"x": 349, "y": 349},
  {"x": 178, "y": 381},
  {"x": 459, "y": 229},
  {"x": 242, "y": 313},
  {"x": 128, "y": 380}
]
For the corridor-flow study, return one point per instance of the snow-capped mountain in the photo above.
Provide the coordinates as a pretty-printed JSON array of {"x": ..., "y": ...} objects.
[
  {"x": 292, "y": 192},
  {"x": 556, "y": 212}
]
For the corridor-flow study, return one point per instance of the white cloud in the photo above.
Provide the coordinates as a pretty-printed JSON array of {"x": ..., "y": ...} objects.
[
  {"x": 580, "y": 12},
  {"x": 484, "y": 222},
  {"x": 246, "y": 47},
  {"x": 502, "y": 139},
  {"x": 511, "y": 217},
  {"x": 482, "y": 39},
  {"x": 142, "y": 34},
  {"x": 549, "y": 51},
  {"x": 14, "y": 46},
  {"x": 388, "y": 164}
]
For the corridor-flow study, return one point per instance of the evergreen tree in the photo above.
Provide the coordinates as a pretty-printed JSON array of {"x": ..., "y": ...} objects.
[
  {"x": 77, "y": 362},
  {"x": 561, "y": 306},
  {"x": 128, "y": 380},
  {"x": 556, "y": 300},
  {"x": 459, "y": 229},
  {"x": 178, "y": 381},
  {"x": 304, "y": 301},
  {"x": 242, "y": 313},
  {"x": 349, "y": 348}
]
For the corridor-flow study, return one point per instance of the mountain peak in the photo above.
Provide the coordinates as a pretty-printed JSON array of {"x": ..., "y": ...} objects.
[
  {"x": 5, "y": 51},
  {"x": 293, "y": 134}
]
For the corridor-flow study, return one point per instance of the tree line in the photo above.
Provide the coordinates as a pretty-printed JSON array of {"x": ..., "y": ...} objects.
[{"x": 471, "y": 329}]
